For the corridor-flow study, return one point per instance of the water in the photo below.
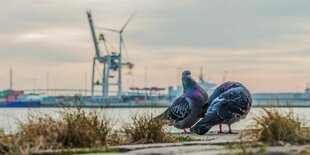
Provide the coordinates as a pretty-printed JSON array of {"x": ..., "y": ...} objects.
[{"x": 10, "y": 117}]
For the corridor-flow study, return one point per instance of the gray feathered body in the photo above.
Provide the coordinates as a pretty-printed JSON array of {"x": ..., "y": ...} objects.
[{"x": 229, "y": 103}]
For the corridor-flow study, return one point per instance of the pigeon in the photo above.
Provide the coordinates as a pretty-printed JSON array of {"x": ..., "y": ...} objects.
[
  {"x": 186, "y": 109},
  {"x": 229, "y": 103}
]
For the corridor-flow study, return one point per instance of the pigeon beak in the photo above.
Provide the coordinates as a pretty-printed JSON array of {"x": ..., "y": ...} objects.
[{"x": 189, "y": 77}]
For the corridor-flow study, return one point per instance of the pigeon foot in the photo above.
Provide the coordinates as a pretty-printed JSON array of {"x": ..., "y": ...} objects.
[
  {"x": 231, "y": 132},
  {"x": 186, "y": 132}
]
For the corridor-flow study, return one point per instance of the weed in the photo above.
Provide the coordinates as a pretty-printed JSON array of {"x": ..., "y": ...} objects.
[
  {"x": 274, "y": 127},
  {"x": 76, "y": 128},
  {"x": 145, "y": 129}
]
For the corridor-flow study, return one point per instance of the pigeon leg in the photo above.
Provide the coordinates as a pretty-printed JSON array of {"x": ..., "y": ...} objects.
[
  {"x": 220, "y": 132},
  {"x": 185, "y": 132},
  {"x": 230, "y": 131}
]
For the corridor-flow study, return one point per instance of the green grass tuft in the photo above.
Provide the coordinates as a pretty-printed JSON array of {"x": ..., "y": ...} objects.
[
  {"x": 185, "y": 139},
  {"x": 86, "y": 150}
]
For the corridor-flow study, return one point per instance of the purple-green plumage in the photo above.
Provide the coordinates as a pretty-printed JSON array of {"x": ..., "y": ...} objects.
[{"x": 186, "y": 109}]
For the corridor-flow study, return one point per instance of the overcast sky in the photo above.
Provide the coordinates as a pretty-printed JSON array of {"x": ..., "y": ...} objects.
[{"x": 264, "y": 44}]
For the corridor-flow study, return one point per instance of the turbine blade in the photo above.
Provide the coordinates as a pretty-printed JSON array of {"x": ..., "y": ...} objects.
[
  {"x": 128, "y": 21},
  {"x": 107, "y": 29}
]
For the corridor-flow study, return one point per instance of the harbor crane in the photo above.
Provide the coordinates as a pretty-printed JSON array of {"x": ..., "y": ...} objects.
[{"x": 112, "y": 61}]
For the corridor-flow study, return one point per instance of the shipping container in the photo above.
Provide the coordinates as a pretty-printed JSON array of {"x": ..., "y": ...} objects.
[
  {"x": 17, "y": 92},
  {"x": 4, "y": 93},
  {"x": 11, "y": 98}
]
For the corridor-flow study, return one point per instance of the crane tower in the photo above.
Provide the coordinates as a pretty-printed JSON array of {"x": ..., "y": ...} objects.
[{"x": 112, "y": 61}]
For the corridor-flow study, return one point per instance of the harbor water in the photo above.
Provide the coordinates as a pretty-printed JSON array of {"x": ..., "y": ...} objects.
[{"x": 12, "y": 117}]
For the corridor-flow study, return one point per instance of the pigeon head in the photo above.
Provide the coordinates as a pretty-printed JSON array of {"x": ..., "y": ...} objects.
[
  {"x": 187, "y": 81},
  {"x": 186, "y": 73}
]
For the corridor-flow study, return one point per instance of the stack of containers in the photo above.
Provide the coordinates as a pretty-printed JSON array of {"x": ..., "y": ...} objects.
[{"x": 13, "y": 95}]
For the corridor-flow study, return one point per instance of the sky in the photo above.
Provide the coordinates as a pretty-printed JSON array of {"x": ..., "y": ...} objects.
[{"x": 264, "y": 44}]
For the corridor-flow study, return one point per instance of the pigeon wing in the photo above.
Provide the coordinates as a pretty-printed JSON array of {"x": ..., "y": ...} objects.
[
  {"x": 234, "y": 101},
  {"x": 180, "y": 109}
]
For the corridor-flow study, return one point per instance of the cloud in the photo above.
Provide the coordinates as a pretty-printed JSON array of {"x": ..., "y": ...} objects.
[{"x": 263, "y": 43}]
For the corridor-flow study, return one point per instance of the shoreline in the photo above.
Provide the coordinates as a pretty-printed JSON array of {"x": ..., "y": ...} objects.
[{"x": 138, "y": 106}]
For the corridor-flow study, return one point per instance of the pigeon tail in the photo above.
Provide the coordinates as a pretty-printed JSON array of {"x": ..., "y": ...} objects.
[
  {"x": 204, "y": 125},
  {"x": 163, "y": 116},
  {"x": 201, "y": 129}
]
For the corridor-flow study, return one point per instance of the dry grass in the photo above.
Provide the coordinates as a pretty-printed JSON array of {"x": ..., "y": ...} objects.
[
  {"x": 76, "y": 128},
  {"x": 306, "y": 151},
  {"x": 3, "y": 141},
  {"x": 274, "y": 127},
  {"x": 85, "y": 130},
  {"x": 145, "y": 129}
]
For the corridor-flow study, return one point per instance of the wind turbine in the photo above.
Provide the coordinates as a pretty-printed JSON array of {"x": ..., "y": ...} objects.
[
  {"x": 121, "y": 44},
  {"x": 120, "y": 32}
]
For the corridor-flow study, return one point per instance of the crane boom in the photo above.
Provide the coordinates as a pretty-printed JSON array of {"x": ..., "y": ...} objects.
[{"x": 93, "y": 33}]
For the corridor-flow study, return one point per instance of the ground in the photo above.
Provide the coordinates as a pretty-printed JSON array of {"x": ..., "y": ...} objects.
[{"x": 209, "y": 144}]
